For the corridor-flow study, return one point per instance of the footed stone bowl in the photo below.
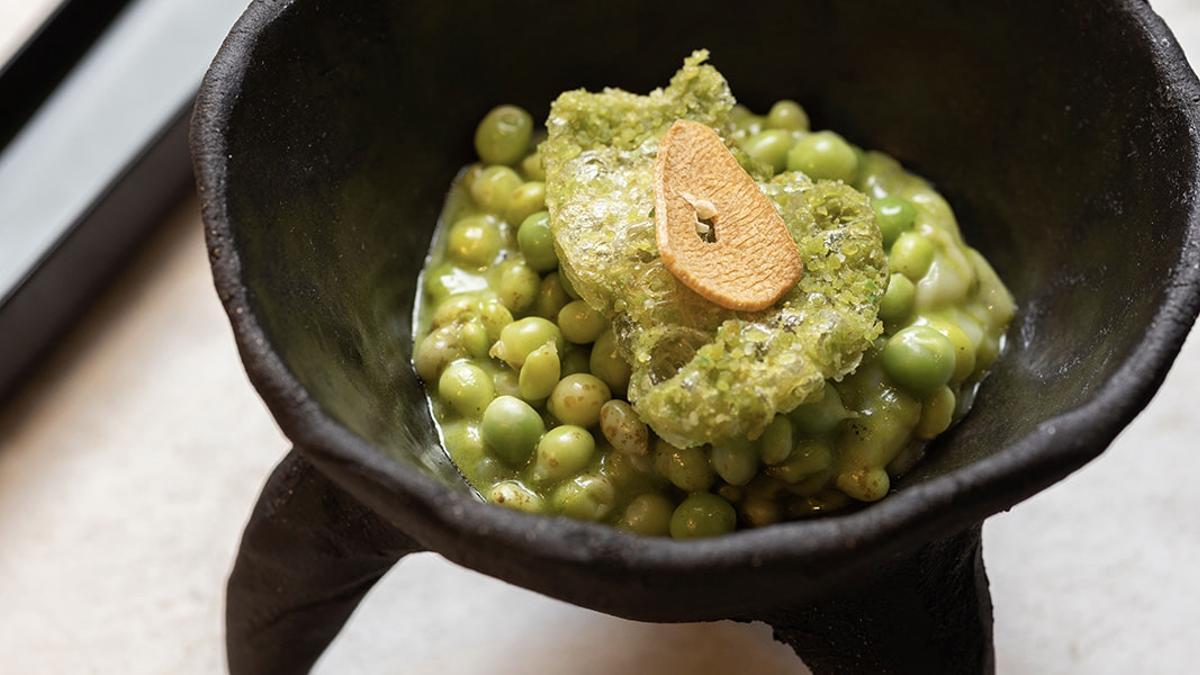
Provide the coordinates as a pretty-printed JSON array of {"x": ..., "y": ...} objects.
[{"x": 326, "y": 134}]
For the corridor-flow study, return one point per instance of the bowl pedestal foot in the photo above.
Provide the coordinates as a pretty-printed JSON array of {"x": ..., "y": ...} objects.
[
  {"x": 927, "y": 613},
  {"x": 311, "y": 552}
]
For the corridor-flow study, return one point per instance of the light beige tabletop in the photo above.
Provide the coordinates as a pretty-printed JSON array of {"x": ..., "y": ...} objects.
[{"x": 130, "y": 463}]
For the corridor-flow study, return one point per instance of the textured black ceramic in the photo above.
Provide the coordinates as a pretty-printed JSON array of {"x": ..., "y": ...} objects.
[{"x": 1064, "y": 134}]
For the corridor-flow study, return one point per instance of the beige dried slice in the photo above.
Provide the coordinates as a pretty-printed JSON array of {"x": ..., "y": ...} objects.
[{"x": 715, "y": 229}]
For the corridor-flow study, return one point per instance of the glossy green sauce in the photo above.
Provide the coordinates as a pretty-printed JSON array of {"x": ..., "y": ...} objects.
[{"x": 571, "y": 374}]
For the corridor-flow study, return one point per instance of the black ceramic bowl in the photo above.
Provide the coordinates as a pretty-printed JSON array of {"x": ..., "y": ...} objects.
[{"x": 326, "y": 134}]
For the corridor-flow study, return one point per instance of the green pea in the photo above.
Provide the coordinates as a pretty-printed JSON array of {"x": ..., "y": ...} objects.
[
  {"x": 495, "y": 316},
  {"x": 468, "y": 178},
  {"x": 964, "y": 348},
  {"x": 580, "y": 323},
  {"x": 575, "y": 360},
  {"x": 809, "y": 457},
  {"x": 533, "y": 168},
  {"x": 436, "y": 351},
  {"x": 860, "y": 157},
  {"x": 760, "y": 512},
  {"x": 474, "y": 240},
  {"x": 919, "y": 359},
  {"x": 493, "y": 188},
  {"x": 702, "y": 515},
  {"x": 648, "y": 515},
  {"x": 872, "y": 441},
  {"x": 623, "y": 428},
  {"x": 740, "y": 113},
  {"x": 986, "y": 354},
  {"x": 464, "y": 442},
  {"x": 687, "y": 468},
  {"x": 564, "y": 451},
  {"x": 764, "y": 487},
  {"x": 897, "y": 301},
  {"x": 821, "y": 416},
  {"x": 551, "y": 297},
  {"x": 585, "y": 497},
  {"x": 735, "y": 462},
  {"x": 865, "y": 484},
  {"x": 777, "y": 440},
  {"x": 992, "y": 292},
  {"x": 519, "y": 338},
  {"x": 540, "y": 372},
  {"x": 474, "y": 337},
  {"x": 525, "y": 201},
  {"x": 461, "y": 307},
  {"x": 454, "y": 308},
  {"x": 536, "y": 242},
  {"x": 731, "y": 493},
  {"x": 824, "y": 155},
  {"x": 812, "y": 485},
  {"x": 607, "y": 363},
  {"x": 577, "y": 400},
  {"x": 512, "y": 429},
  {"x": 962, "y": 318},
  {"x": 446, "y": 280},
  {"x": 486, "y": 471},
  {"x": 517, "y": 285},
  {"x": 949, "y": 278},
  {"x": 936, "y": 414},
  {"x": 567, "y": 286},
  {"x": 514, "y": 495},
  {"x": 503, "y": 135},
  {"x": 467, "y": 388},
  {"x": 880, "y": 175},
  {"x": 787, "y": 115},
  {"x": 770, "y": 147},
  {"x": 911, "y": 255},
  {"x": 895, "y": 216},
  {"x": 745, "y": 122},
  {"x": 629, "y": 473}
]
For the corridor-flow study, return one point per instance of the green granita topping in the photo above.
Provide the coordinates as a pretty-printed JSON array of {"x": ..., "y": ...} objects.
[{"x": 702, "y": 373}]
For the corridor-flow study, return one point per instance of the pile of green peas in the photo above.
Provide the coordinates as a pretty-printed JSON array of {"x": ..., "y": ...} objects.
[{"x": 527, "y": 383}]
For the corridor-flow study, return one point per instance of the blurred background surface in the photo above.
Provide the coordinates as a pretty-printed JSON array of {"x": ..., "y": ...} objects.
[
  {"x": 130, "y": 462},
  {"x": 18, "y": 20}
]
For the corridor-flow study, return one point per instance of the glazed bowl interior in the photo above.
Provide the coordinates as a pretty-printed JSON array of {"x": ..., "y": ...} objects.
[{"x": 1044, "y": 125}]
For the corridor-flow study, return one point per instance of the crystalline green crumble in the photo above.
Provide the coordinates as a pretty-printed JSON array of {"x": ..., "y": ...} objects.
[{"x": 702, "y": 373}]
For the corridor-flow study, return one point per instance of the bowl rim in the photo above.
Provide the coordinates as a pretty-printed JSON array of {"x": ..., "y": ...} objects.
[{"x": 441, "y": 517}]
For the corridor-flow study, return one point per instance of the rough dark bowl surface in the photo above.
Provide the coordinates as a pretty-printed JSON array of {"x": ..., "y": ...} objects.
[{"x": 1063, "y": 133}]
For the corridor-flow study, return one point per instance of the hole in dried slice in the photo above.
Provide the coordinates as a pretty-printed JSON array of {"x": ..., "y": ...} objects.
[
  {"x": 706, "y": 211},
  {"x": 715, "y": 229}
]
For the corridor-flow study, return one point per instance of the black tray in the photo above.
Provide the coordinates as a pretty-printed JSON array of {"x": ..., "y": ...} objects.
[{"x": 93, "y": 151}]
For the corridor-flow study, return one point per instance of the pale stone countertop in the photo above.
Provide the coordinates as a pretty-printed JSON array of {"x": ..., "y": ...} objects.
[{"x": 130, "y": 463}]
